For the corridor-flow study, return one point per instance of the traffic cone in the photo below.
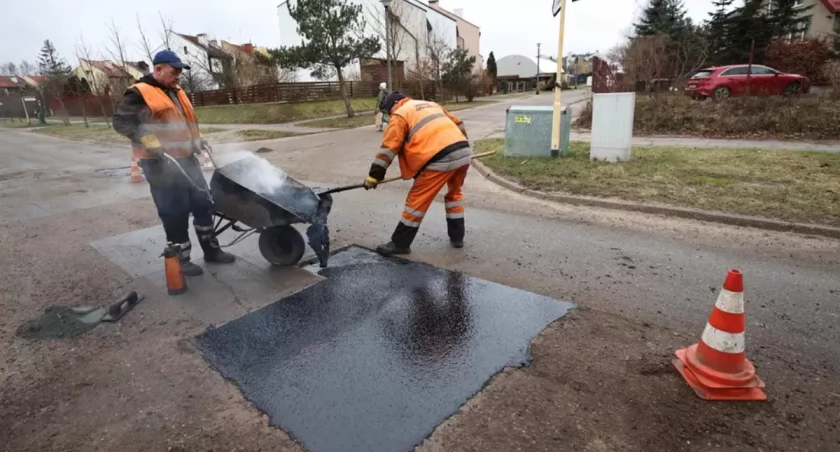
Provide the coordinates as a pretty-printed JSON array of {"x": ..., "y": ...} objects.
[
  {"x": 208, "y": 163},
  {"x": 717, "y": 367},
  {"x": 136, "y": 177}
]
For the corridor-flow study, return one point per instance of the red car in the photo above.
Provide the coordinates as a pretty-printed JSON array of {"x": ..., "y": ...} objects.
[{"x": 725, "y": 81}]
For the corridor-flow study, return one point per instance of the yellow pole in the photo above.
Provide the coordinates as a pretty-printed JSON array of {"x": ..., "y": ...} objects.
[{"x": 555, "y": 118}]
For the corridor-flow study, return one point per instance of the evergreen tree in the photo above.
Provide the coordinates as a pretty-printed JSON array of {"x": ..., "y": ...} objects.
[
  {"x": 664, "y": 17},
  {"x": 333, "y": 33},
  {"x": 717, "y": 29},
  {"x": 786, "y": 18},
  {"x": 491, "y": 66},
  {"x": 457, "y": 71},
  {"x": 50, "y": 64},
  {"x": 748, "y": 22}
]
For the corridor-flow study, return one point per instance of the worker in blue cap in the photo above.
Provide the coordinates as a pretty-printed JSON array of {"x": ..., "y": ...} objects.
[{"x": 157, "y": 116}]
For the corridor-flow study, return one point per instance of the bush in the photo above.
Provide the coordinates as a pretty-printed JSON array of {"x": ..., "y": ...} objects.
[
  {"x": 807, "y": 57},
  {"x": 803, "y": 117}
]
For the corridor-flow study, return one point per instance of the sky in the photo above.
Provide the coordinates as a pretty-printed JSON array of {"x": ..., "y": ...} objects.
[{"x": 507, "y": 27}]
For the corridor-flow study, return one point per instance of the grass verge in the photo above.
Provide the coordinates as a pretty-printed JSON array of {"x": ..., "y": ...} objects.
[
  {"x": 810, "y": 117},
  {"x": 368, "y": 118},
  {"x": 279, "y": 113},
  {"x": 785, "y": 185},
  {"x": 251, "y": 135},
  {"x": 96, "y": 132}
]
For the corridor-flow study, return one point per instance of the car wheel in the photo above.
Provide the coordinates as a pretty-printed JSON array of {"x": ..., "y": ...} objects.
[
  {"x": 721, "y": 92},
  {"x": 793, "y": 89}
]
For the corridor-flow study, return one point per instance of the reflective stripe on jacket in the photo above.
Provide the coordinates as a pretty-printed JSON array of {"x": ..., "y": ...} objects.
[
  {"x": 430, "y": 131},
  {"x": 177, "y": 132}
]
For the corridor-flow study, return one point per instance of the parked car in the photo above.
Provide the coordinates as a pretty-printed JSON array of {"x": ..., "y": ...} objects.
[{"x": 726, "y": 81}]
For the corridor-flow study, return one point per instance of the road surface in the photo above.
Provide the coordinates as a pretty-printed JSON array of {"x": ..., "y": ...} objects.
[{"x": 601, "y": 379}]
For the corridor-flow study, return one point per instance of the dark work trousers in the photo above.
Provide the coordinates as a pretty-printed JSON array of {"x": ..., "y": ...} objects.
[{"x": 176, "y": 198}]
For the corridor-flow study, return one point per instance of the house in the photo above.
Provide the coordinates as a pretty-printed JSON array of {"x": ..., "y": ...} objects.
[
  {"x": 208, "y": 61},
  {"x": 138, "y": 69},
  {"x": 823, "y": 18},
  {"x": 35, "y": 80},
  {"x": 104, "y": 77},
  {"x": 468, "y": 35},
  {"x": 9, "y": 86},
  {"x": 518, "y": 72},
  {"x": 419, "y": 30}
]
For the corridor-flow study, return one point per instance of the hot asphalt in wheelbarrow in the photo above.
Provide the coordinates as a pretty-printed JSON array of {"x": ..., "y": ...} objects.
[{"x": 252, "y": 191}]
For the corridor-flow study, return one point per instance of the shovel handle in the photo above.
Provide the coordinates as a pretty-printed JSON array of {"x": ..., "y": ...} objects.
[{"x": 385, "y": 181}]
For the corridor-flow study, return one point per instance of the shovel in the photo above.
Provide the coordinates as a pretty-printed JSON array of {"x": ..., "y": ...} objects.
[{"x": 385, "y": 181}]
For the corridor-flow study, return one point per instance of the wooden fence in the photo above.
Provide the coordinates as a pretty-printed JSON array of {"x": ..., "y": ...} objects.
[{"x": 309, "y": 91}]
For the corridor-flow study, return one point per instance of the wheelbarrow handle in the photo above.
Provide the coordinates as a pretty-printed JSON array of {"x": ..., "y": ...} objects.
[{"x": 385, "y": 181}]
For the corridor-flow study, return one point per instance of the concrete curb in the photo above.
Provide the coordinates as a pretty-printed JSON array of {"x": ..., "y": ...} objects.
[{"x": 658, "y": 209}]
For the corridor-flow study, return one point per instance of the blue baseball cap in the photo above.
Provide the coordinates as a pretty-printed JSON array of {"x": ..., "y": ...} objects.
[{"x": 171, "y": 58}]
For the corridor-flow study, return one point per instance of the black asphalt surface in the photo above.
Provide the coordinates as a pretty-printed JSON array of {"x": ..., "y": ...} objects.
[{"x": 377, "y": 355}]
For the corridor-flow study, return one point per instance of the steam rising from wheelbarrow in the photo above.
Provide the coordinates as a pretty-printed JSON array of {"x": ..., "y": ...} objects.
[{"x": 261, "y": 177}]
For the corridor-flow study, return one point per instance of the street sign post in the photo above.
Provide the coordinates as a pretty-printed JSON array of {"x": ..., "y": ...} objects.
[{"x": 558, "y": 6}]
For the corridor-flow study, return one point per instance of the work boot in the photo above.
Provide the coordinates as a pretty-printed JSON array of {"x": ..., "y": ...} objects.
[
  {"x": 188, "y": 268},
  {"x": 219, "y": 256},
  {"x": 457, "y": 243},
  {"x": 210, "y": 245},
  {"x": 390, "y": 248}
]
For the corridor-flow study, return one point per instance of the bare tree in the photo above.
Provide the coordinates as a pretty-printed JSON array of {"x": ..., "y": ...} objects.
[
  {"x": 166, "y": 30},
  {"x": 437, "y": 50},
  {"x": 401, "y": 42},
  {"x": 26, "y": 68},
  {"x": 644, "y": 59},
  {"x": 83, "y": 52},
  {"x": 9, "y": 69},
  {"x": 117, "y": 50},
  {"x": 145, "y": 47}
]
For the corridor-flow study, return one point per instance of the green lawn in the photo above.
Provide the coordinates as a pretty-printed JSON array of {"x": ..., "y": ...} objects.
[
  {"x": 279, "y": 113},
  {"x": 368, "y": 118},
  {"x": 785, "y": 185},
  {"x": 9, "y": 124}
]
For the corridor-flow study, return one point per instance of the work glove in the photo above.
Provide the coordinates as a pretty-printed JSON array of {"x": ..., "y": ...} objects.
[
  {"x": 370, "y": 183},
  {"x": 152, "y": 145}
]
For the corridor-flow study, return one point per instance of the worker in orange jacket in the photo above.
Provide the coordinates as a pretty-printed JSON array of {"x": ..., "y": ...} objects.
[
  {"x": 158, "y": 118},
  {"x": 433, "y": 149}
]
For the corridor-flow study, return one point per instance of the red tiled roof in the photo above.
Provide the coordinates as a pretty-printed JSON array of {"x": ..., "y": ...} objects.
[
  {"x": 832, "y": 6},
  {"x": 110, "y": 68},
  {"x": 6, "y": 83},
  {"x": 38, "y": 78}
]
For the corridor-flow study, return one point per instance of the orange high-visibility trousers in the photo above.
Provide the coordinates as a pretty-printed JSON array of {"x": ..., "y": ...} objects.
[{"x": 426, "y": 186}]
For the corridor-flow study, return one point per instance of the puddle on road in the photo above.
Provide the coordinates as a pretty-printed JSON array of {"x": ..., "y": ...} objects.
[{"x": 374, "y": 357}]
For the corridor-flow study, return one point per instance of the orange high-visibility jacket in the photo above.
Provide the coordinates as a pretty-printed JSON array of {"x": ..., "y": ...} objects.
[
  {"x": 177, "y": 133},
  {"x": 431, "y": 130}
]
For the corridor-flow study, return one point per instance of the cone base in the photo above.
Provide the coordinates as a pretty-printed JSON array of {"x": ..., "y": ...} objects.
[
  {"x": 137, "y": 179},
  {"x": 711, "y": 378},
  {"x": 722, "y": 394}
]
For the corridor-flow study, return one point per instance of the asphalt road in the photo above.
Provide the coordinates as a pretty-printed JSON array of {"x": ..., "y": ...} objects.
[{"x": 649, "y": 269}]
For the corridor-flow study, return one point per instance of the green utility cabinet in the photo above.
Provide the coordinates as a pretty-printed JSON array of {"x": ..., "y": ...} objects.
[{"x": 528, "y": 131}]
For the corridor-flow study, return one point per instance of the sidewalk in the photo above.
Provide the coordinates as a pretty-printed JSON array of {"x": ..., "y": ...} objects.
[{"x": 824, "y": 146}]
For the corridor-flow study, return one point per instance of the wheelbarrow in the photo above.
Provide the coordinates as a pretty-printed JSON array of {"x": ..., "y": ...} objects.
[
  {"x": 251, "y": 196},
  {"x": 253, "y": 193}
]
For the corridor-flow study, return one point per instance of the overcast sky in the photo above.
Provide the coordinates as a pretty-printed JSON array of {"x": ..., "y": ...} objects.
[{"x": 507, "y": 26}]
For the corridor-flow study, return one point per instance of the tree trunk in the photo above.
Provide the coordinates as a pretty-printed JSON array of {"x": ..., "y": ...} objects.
[
  {"x": 63, "y": 107},
  {"x": 84, "y": 113},
  {"x": 343, "y": 89}
]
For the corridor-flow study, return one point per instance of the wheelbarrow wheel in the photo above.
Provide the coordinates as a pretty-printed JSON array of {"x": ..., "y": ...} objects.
[{"x": 282, "y": 245}]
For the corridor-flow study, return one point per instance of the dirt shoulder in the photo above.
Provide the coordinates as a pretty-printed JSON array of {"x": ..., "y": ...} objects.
[{"x": 599, "y": 382}]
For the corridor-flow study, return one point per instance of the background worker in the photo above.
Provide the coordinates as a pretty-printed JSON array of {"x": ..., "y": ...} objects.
[
  {"x": 380, "y": 99},
  {"x": 433, "y": 149},
  {"x": 158, "y": 118}
]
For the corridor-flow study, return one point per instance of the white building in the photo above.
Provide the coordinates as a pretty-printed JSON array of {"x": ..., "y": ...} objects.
[
  {"x": 417, "y": 26},
  {"x": 205, "y": 57}
]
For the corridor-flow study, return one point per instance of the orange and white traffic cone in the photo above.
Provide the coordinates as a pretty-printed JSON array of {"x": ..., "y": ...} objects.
[
  {"x": 136, "y": 177},
  {"x": 717, "y": 367},
  {"x": 208, "y": 162}
]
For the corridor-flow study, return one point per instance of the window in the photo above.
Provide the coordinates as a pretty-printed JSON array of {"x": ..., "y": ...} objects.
[
  {"x": 740, "y": 70},
  {"x": 703, "y": 73},
  {"x": 185, "y": 50},
  {"x": 803, "y": 32},
  {"x": 761, "y": 70}
]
